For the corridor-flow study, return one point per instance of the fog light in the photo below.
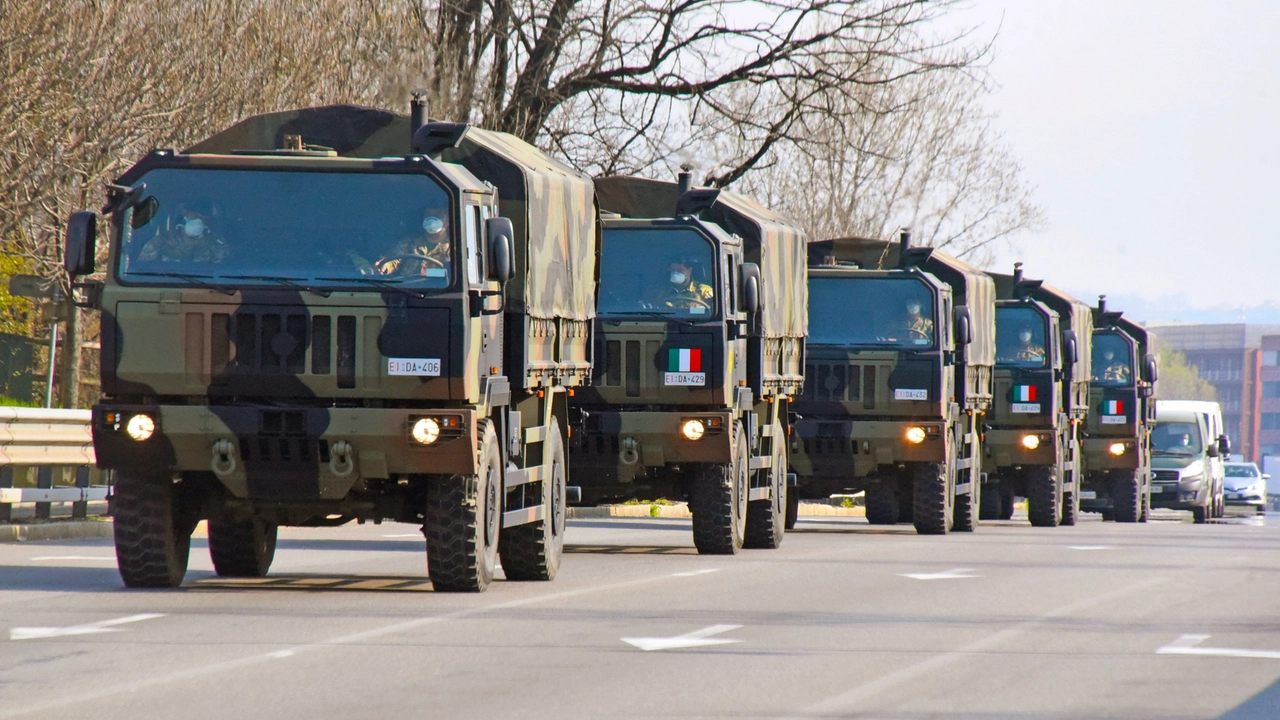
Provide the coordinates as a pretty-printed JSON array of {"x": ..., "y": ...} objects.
[
  {"x": 140, "y": 427},
  {"x": 915, "y": 435},
  {"x": 1031, "y": 442},
  {"x": 693, "y": 429},
  {"x": 425, "y": 431},
  {"x": 1117, "y": 448}
]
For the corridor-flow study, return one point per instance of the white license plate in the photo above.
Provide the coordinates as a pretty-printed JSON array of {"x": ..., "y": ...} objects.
[
  {"x": 1156, "y": 489},
  {"x": 1088, "y": 495},
  {"x": 686, "y": 379},
  {"x": 414, "y": 366}
]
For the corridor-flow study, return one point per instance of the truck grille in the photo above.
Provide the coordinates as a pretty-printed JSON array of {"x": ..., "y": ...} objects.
[
  {"x": 270, "y": 343},
  {"x": 830, "y": 382}
]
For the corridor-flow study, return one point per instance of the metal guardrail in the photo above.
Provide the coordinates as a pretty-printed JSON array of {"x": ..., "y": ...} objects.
[{"x": 47, "y": 440}]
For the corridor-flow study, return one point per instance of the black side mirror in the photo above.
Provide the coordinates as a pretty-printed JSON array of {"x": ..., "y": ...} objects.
[
  {"x": 1153, "y": 368},
  {"x": 81, "y": 243},
  {"x": 501, "y": 238},
  {"x": 1224, "y": 445},
  {"x": 963, "y": 326},
  {"x": 751, "y": 288},
  {"x": 1212, "y": 450},
  {"x": 1070, "y": 347}
]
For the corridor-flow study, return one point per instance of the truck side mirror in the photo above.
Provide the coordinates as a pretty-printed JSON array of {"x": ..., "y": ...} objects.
[
  {"x": 751, "y": 288},
  {"x": 81, "y": 243},
  {"x": 1224, "y": 445},
  {"x": 1212, "y": 450},
  {"x": 501, "y": 237},
  {"x": 963, "y": 322},
  {"x": 1153, "y": 368},
  {"x": 1070, "y": 348}
]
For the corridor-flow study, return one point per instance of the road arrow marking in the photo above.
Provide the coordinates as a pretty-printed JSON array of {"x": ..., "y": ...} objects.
[
  {"x": 954, "y": 574},
  {"x": 697, "y": 638},
  {"x": 103, "y": 626},
  {"x": 1189, "y": 645}
]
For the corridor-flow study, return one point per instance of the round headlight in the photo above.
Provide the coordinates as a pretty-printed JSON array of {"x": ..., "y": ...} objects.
[
  {"x": 140, "y": 427},
  {"x": 1116, "y": 448},
  {"x": 915, "y": 435},
  {"x": 693, "y": 429},
  {"x": 425, "y": 431},
  {"x": 1031, "y": 442}
]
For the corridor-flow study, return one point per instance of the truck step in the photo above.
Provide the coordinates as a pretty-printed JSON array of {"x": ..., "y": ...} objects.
[{"x": 523, "y": 516}]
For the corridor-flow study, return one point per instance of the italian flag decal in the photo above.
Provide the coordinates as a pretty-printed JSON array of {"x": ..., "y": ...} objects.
[
  {"x": 1024, "y": 393},
  {"x": 685, "y": 360},
  {"x": 1113, "y": 407}
]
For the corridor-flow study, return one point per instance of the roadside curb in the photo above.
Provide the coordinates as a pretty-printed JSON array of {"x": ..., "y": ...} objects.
[
  {"x": 58, "y": 530},
  {"x": 681, "y": 510}
]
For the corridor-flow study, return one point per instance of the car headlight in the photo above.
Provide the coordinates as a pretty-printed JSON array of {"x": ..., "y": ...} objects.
[
  {"x": 425, "y": 431},
  {"x": 140, "y": 427},
  {"x": 915, "y": 435},
  {"x": 693, "y": 429},
  {"x": 1116, "y": 449},
  {"x": 1031, "y": 442}
]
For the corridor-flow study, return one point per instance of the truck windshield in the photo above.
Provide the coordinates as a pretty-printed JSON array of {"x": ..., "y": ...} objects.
[
  {"x": 1112, "y": 360},
  {"x": 871, "y": 311},
  {"x": 1020, "y": 337},
  {"x": 261, "y": 227},
  {"x": 1176, "y": 438},
  {"x": 657, "y": 271}
]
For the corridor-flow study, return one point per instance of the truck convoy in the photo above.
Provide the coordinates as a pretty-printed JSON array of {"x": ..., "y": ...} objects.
[
  {"x": 338, "y": 314},
  {"x": 1041, "y": 401},
  {"x": 699, "y": 338},
  {"x": 1117, "y": 442},
  {"x": 897, "y": 382}
]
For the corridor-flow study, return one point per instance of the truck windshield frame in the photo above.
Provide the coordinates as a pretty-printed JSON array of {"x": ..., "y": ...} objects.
[
  {"x": 872, "y": 312},
  {"x": 1021, "y": 334},
  {"x": 1114, "y": 371},
  {"x": 288, "y": 227},
  {"x": 658, "y": 271}
]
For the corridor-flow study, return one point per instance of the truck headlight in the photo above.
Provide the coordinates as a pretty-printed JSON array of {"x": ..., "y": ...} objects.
[
  {"x": 1116, "y": 449},
  {"x": 915, "y": 435},
  {"x": 425, "y": 431},
  {"x": 1031, "y": 442},
  {"x": 140, "y": 427},
  {"x": 693, "y": 429}
]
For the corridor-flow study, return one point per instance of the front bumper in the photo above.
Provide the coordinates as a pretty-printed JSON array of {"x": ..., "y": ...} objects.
[
  {"x": 1005, "y": 447},
  {"x": 1180, "y": 496},
  {"x": 284, "y": 452},
  {"x": 1098, "y": 456},
  {"x": 840, "y": 448},
  {"x": 652, "y": 439}
]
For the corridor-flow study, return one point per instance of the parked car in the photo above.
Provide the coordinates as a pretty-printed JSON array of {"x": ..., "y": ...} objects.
[{"x": 1246, "y": 486}]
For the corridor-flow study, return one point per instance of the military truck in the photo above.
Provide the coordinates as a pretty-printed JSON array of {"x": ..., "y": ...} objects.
[
  {"x": 1122, "y": 412},
  {"x": 1041, "y": 401},
  {"x": 897, "y": 380},
  {"x": 699, "y": 338},
  {"x": 337, "y": 314}
]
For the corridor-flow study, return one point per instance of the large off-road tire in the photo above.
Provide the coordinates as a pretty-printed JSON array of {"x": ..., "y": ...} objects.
[
  {"x": 989, "y": 503},
  {"x": 766, "y": 519},
  {"x": 966, "y": 506},
  {"x": 243, "y": 548},
  {"x": 1044, "y": 493},
  {"x": 1071, "y": 502},
  {"x": 793, "y": 507},
  {"x": 1007, "y": 501},
  {"x": 532, "y": 552},
  {"x": 882, "y": 504},
  {"x": 153, "y": 540},
  {"x": 1146, "y": 505},
  {"x": 463, "y": 518},
  {"x": 932, "y": 499},
  {"x": 1126, "y": 498},
  {"x": 718, "y": 500}
]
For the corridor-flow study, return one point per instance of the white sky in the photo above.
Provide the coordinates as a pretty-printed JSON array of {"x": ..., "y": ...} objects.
[{"x": 1152, "y": 130}]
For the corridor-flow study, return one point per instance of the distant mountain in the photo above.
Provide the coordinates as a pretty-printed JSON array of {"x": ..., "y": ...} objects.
[{"x": 1176, "y": 308}]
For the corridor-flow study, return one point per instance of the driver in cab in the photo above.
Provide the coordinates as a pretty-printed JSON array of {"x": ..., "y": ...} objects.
[
  {"x": 1113, "y": 369},
  {"x": 425, "y": 253},
  {"x": 1029, "y": 351},
  {"x": 190, "y": 237},
  {"x": 683, "y": 292},
  {"x": 914, "y": 326}
]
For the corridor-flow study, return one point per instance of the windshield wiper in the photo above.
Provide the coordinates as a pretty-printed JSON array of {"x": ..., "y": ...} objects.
[
  {"x": 647, "y": 315},
  {"x": 291, "y": 282},
  {"x": 386, "y": 285},
  {"x": 194, "y": 279},
  {"x": 1157, "y": 451}
]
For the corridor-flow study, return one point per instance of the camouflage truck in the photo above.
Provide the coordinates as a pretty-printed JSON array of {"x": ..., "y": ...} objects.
[
  {"x": 338, "y": 314},
  {"x": 1041, "y": 401},
  {"x": 898, "y": 377},
  {"x": 1122, "y": 413},
  {"x": 699, "y": 343}
]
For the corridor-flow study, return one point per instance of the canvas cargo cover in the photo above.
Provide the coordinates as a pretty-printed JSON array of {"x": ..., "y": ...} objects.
[
  {"x": 770, "y": 240},
  {"x": 551, "y": 206}
]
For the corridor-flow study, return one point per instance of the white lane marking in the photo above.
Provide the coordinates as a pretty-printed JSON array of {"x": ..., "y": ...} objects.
[
  {"x": 953, "y": 574},
  {"x": 103, "y": 626},
  {"x": 697, "y": 638},
  {"x": 691, "y": 573},
  {"x": 104, "y": 558},
  {"x": 282, "y": 654},
  {"x": 1091, "y": 547},
  {"x": 1188, "y": 645},
  {"x": 404, "y": 535}
]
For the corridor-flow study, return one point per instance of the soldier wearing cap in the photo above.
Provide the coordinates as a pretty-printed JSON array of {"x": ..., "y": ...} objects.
[{"x": 190, "y": 236}]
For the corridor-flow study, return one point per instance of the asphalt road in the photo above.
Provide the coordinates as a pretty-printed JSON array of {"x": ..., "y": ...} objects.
[{"x": 846, "y": 620}]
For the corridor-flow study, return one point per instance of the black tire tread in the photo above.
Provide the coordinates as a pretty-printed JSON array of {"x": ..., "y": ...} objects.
[
  {"x": 1126, "y": 500},
  {"x": 882, "y": 505},
  {"x": 151, "y": 552},
  {"x": 711, "y": 500},
  {"x": 766, "y": 519},
  {"x": 532, "y": 552},
  {"x": 989, "y": 504},
  {"x": 930, "y": 500},
  {"x": 1043, "y": 496},
  {"x": 241, "y": 548}
]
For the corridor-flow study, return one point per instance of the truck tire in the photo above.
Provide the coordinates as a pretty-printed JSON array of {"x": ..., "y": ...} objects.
[
  {"x": 532, "y": 551},
  {"x": 242, "y": 548},
  {"x": 932, "y": 506},
  {"x": 1126, "y": 499},
  {"x": 1044, "y": 492},
  {"x": 719, "y": 502},
  {"x": 1146, "y": 506},
  {"x": 793, "y": 507},
  {"x": 1200, "y": 514},
  {"x": 153, "y": 543},
  {"x": 905, "y": 513},
  {"x": 882, "y": 504},
  {"x": 1007, "y": 501},
  {"x": 966, "y": 508},
  {"x": 1070, "y": 506},
  {"x": 989, "y": 505},
  {"x": 766, "y": 519},
  {"x": 463, "y": 519}
]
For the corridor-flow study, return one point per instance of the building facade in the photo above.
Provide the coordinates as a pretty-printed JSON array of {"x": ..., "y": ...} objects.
[{"x": 1269, "y": 406}]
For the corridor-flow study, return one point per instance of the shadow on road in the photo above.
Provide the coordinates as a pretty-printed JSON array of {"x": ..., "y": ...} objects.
[{"x": 1263, "y": 706}]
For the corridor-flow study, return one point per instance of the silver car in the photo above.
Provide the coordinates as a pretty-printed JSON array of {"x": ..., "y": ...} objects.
[{"x": 1246, "y": 486}]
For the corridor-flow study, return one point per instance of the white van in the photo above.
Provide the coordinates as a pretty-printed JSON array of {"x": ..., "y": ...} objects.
[{"x": 1188, "y": 448}]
